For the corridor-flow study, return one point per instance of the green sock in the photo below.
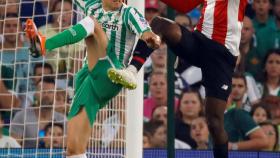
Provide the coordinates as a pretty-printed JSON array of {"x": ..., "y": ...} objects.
[{"x": 70, "y": 36}]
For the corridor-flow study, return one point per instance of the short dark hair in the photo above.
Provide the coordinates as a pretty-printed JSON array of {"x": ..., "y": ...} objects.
[
  {"x": 238, "y": 74},
  {"x": 47, "y": 79},
  {"x": 42, "y": 65},
  {"x": 50, "y": 125},
  {"x": 152, "y": 126},
  {"x": 261, "y": 105}
]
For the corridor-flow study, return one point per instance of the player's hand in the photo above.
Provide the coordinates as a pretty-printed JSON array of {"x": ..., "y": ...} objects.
[{"x": 153, "y": 41}]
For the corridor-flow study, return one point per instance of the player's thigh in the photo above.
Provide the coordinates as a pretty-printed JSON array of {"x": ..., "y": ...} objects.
[
  {"x": 104, "y": 88},
  {"x": 78, "y": 133},
  {"x": 188, "y": 48},
  {"x": 217, "y": 70}
]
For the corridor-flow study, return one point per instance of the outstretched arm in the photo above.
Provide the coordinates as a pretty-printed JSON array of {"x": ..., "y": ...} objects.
[{"x": 183, "y": 5}]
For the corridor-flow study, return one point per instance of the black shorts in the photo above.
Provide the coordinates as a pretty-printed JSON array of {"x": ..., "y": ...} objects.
[{"x": 214, "y": 59}]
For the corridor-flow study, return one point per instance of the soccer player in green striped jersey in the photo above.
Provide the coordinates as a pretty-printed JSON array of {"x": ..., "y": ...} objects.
[{"x": 109, "y": 30}]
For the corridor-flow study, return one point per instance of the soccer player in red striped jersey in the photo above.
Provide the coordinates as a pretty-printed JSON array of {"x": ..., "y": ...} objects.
[{"x": 213, "y": 46}]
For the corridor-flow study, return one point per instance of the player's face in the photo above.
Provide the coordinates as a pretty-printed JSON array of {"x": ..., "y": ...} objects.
[
  {"x": 190, "y": 105},
  {"x": 247, "y": 31},
  {"x": 261, "y": 7},
  {"x": 111, "y": 5},
  {"x": 272, "y": 66},
  {"x": 199, "y": 130},
  {"x": 150, "y": 14},
  {"x": 260, "y": 115}
]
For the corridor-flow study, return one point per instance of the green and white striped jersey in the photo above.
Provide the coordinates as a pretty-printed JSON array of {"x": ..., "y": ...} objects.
[{"x": 121, "y": 26}]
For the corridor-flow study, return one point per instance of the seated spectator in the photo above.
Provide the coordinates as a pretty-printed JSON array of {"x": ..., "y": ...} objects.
[
  {"x": 271, "y": 78},
  {"x": 28, "y": 123},
  {"x": 158, "y": 136},
  {"x": 158, "y": 90},
  {"x": 160, "y": 114},
  {"x": 262, "y": 18},
  {"x": 151, "y": 9},
  {"x": 272, "y": 135},
  {"x": 159, "y": 64},
  {"x": 273, "y": 104},
  {"x": 6, "y": 141},
  {"x": 61, "y": 102},
  {"x": 243, "y": 133},
  {"x": 7, "y": 99},
  {"x": 238, "y": 96},
  {"x": 260, "y": 113},
  {"x": 53, "y": 136},
  {"x": 190, "y": 107},
  {"x": 268, "y": 37},
  {"x": 146, "y": 137},
  {"x": 200, "y": 133}
]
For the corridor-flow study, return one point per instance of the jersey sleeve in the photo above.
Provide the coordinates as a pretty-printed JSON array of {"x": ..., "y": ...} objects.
[
  {"x": 88, "y": 6},
  {"x": 136, "y": 22}
]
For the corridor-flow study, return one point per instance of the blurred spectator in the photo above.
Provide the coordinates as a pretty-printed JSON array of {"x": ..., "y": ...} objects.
[
  {"x": 53, "y": 136},
  {"x": 200, "y": 133},
  {"x": 151, "y": 9},
  {"x": 6, "y": 141},
  {"x": 262, "y": 18},
  {"x": 40, "y": 70},
  {"x": 239, "y": 96},
  {"x": 30, "y": 122},
  {"x": 7, "y": 99},
  {"x": 158, "y": 136},
  {"x": 271, "y": 77},
  {"x": 243, "y": 132},
  {"x": 159, "y": 64},
  {"x": 62, "y": 19},
  {"x": 249, "y": 60},
  {"x": 61, "y": 101},
  {"x": 146, "y": 136},
  {"x": 272, "y": 135},
  {"x": 269, "y": 37},
  {"x": 158, "y": 90},
  {"x": 273, "y": 104},
  {"x": 160, "y": 114},
  {"x": 260, "y": 113},
  {"x": 190, "y": 107}
]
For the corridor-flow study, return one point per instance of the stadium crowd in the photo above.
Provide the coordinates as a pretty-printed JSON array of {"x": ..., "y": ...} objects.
[{"x": 36, "y": 93}]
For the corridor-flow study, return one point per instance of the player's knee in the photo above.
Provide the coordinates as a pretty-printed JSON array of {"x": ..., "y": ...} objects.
[
  {"x": 74, "y": 149},
  {"x": 161, "y": 25},
  {"x": 215, "y": 123}
]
